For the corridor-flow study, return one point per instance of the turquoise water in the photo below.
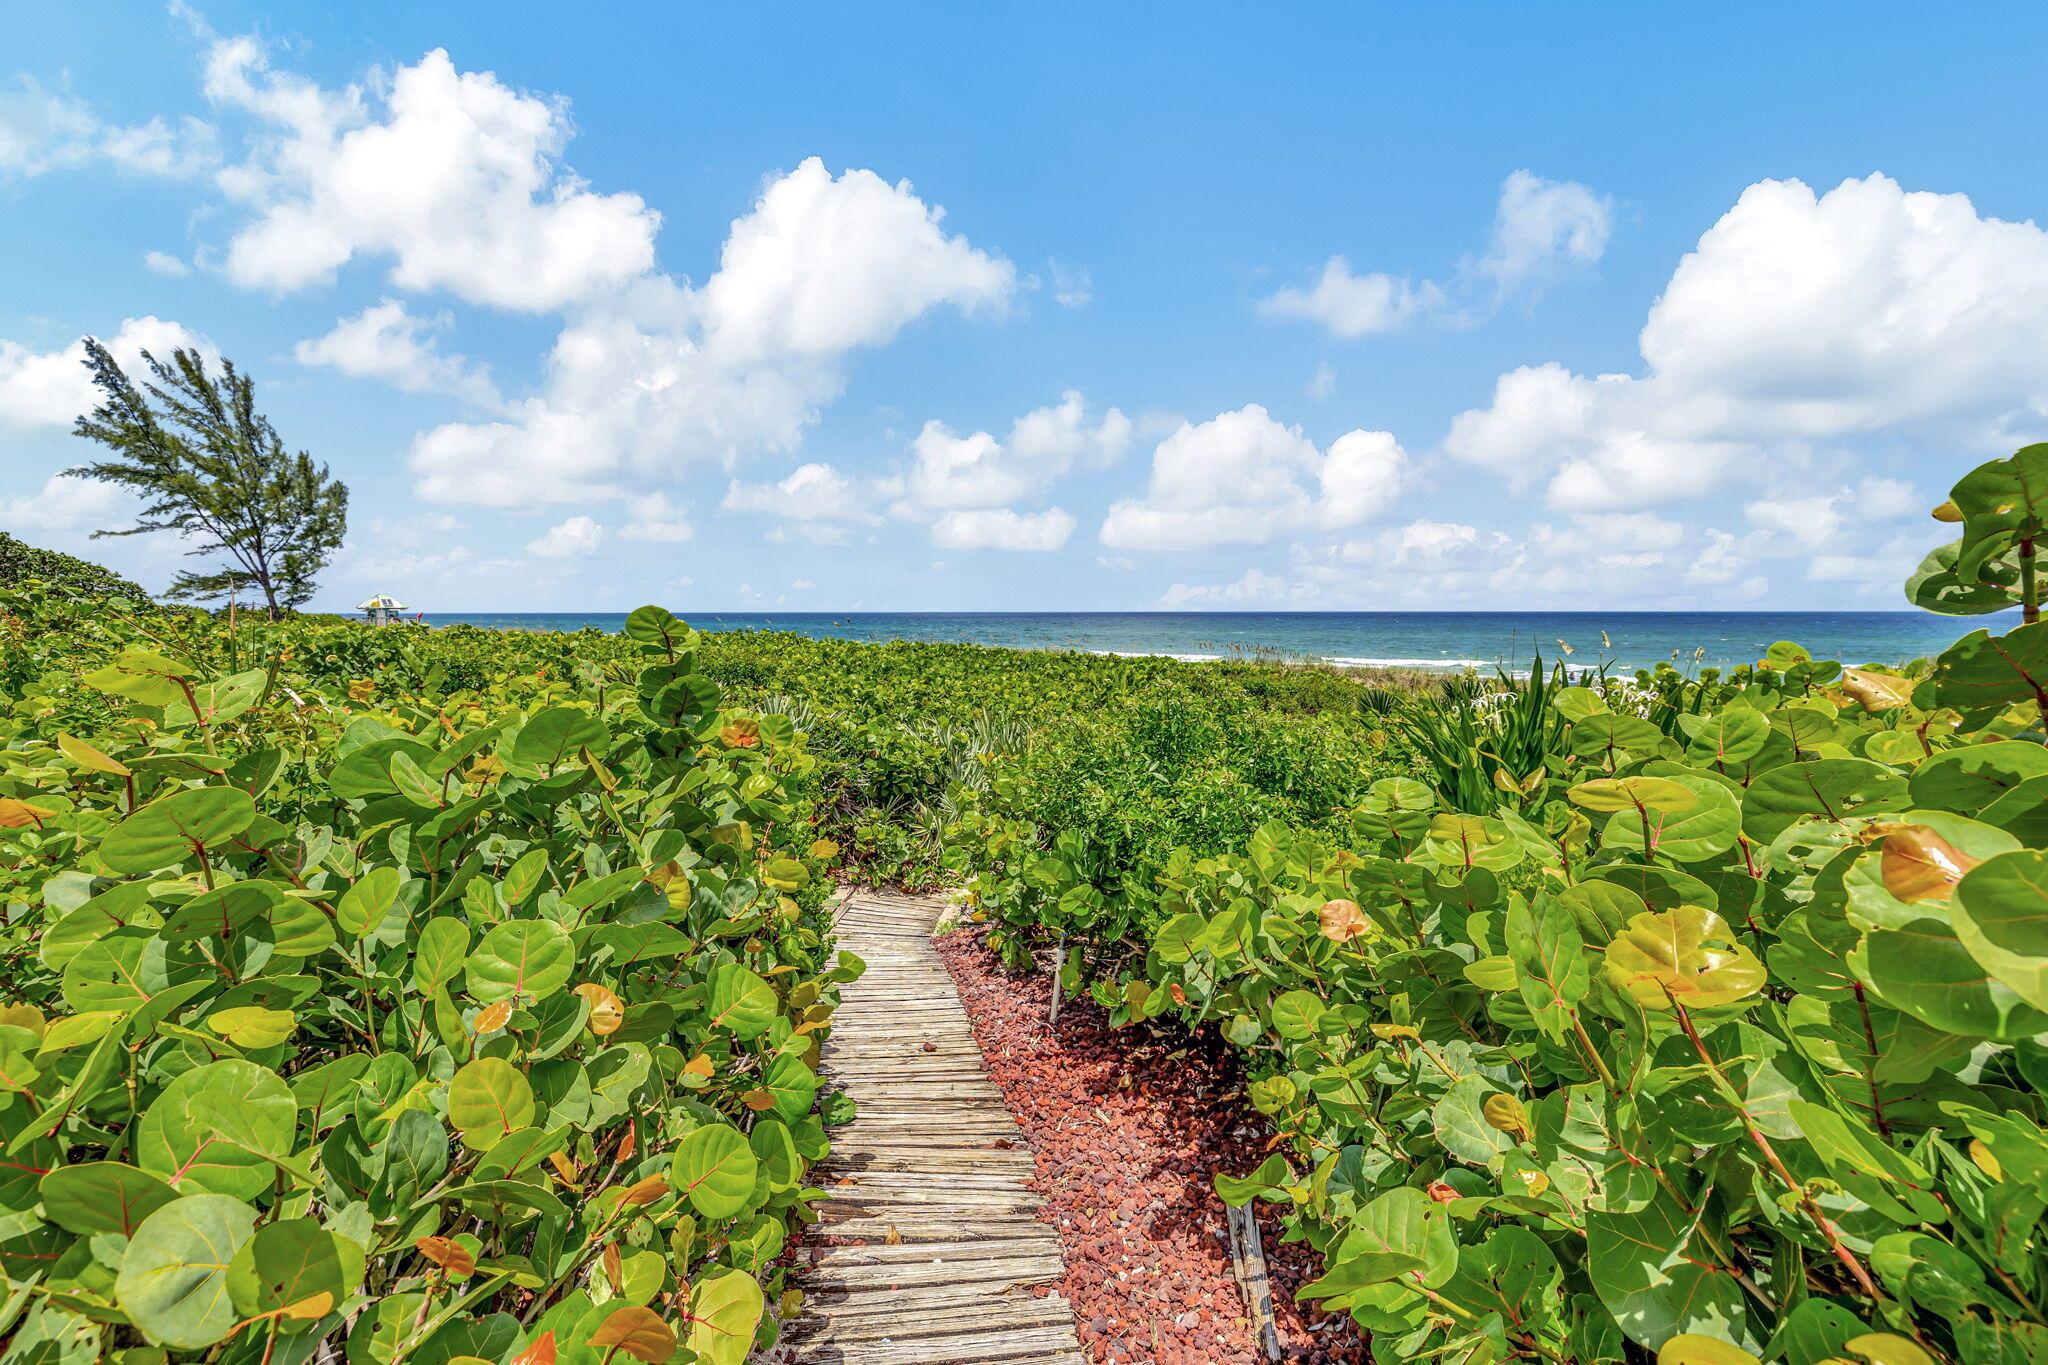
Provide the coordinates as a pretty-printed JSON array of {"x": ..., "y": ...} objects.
[{"x": 1415, "y": 639}]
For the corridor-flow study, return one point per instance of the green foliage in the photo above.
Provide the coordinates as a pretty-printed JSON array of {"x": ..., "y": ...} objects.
[
  {"x": 1710, "y": 1026},
  {"x": 211, "y": 468},
  {"x": 23, "y": 566},
  {"x": 464, "y": 1016}
]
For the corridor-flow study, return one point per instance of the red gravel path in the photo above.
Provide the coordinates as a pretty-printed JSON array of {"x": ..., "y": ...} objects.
[{"x": 1128, "y": 1126}]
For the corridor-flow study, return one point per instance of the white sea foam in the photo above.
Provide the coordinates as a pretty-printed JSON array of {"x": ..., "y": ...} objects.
[
  {"x": 1353, "y": 661},
  {"x": 1157, "y": 654}
]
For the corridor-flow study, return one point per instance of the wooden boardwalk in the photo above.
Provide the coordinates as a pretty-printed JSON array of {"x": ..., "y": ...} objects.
[{"x": 929, "y": 1178}]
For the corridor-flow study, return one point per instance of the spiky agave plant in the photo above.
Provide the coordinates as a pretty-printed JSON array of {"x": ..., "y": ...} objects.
[{"x": 1478, "y": 737}]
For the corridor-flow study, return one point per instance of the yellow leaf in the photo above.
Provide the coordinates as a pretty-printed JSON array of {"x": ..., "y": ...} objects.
[
  {"x": 310, "y": 1307},
  {"x": 1504, "y": 1113},
  {"x": 1687, "y": 956},
  {"x": 24, "y": 1016},
  {"x": 1693, "y": 1349},
  {"x": 607, "y": 1011},
  {"x": 85, "y": 756},
  {"x": 1882, "y": 1348},
  {"x": 699, "y": 1065},
  {"x": 253, "y": 1026},
  {"x": 1877, "y": 691},
  {"x": 491, "y": 1018}
]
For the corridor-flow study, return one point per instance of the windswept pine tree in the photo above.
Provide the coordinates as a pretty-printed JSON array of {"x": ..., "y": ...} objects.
[{"x": 214, "y": 470}]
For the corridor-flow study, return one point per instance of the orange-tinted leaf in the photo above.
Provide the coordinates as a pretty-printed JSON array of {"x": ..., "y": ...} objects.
[
  {"x": 491, "y": 1018},
  {"x": 614, "y": 1265},
  {"x": 1341, "y": 921},
  {"x": 699, "y": 1065},
  {"x": 1919, "y": 865},
  {"x": 645, "y": 1191},
  {"x": 626, "y": 1146},
  {"x": 18, "y": 814},
  {"x": 541, "y": 1351},
  {"x": 741, "y": 734},
  {"x": 607, "y": 1011},
  {"x": 639, "y": 1332},
  {"x": 758, "y": 1100},
  {"x": 563, "y": 1167},
  {"x": 448, "y": 1254}
]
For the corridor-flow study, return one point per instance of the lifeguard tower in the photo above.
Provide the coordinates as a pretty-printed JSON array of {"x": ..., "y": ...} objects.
[{"x": 382, "y": 610}]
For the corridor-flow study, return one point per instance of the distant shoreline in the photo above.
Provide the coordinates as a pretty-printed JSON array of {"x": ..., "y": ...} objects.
[{"x": 1436, "y": 642}]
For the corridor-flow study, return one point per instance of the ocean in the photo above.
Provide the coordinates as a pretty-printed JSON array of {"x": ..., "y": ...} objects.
[{"x": 1435, "y": 640}]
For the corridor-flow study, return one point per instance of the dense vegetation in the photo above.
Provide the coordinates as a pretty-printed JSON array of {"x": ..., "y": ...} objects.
[
  {"x": 470, "y": 1023},
  {"x": 1716, "y": 1032},
  {"x": 1698, "y": 1017},
  {"x": 62, "y": 573}
]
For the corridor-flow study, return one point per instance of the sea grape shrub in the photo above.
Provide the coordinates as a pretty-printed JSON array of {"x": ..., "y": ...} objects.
[
  {"x": 462, "y": 1029},
  {"x": 1722, "y": 1039}
]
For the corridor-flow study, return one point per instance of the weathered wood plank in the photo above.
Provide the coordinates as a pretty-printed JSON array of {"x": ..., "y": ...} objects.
[{"x": 938, "y": 1237}]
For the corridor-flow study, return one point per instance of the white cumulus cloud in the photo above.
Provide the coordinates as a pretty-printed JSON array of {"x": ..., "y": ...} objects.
[
  {"x": 1867, "y": 313},
  {"x": 1002, "y": 528},
  {"x": 452, "y": 175},
  {"x": 571, "y": 539},
  {"x": 1541, "y": 227},
  {"x": 42, "y": 131},
  {"x": 389, "y": 343},
  {"x": 667, "y": 375},
  {"x": 52, "y": 388},
  {"x": 1243, "y": 476}
]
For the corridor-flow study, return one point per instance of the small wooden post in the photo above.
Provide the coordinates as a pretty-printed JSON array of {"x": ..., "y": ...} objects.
[
  {"x": 1059, "y": 968},
  {"x": 1248, "y": 1259}
]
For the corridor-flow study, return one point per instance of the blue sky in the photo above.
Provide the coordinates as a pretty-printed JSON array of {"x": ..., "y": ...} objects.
[{"x": 1051, "y": 307}]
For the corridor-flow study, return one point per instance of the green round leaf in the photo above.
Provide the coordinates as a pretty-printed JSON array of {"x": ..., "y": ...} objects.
[
  {"x": 219, "y": 914},
  {"x": 715, "y": 1169},
  {"x": 439, "y": 951},
  {"x": 1296, "y": 1015},
  {"x": 522, "y": 960},
  {"x": 725, "y": 1310},
  {"x": 2000, "y": 914},
  {"x": 171, "y": 829},
  {"x": 172, "y": 1283},
  {"x": 487, "y": 1099},
  {"x": 363, "y": 908},
  {"x": 219, "y": 1127},
  {"x": 287, "y": 1263},
  {"x": 1824, "y": 788},
  {"x": 741, "y": 1001},
  {"x": 557, "y": 733},
  {"x": 102, "y": 1196}
]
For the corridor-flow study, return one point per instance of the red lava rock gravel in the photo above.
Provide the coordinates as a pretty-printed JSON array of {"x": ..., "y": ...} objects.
[{"x": 1128, "y": 1126}]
